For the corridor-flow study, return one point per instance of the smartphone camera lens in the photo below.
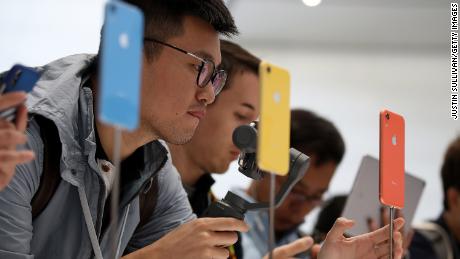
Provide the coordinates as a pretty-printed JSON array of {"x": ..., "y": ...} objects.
[
  {"x": 387, "y": 116},
  {"x": 269, "y": 69}
]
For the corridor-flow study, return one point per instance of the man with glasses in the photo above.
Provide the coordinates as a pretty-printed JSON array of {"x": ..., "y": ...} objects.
[
  {"x": 206, "y": 69},
  {"x": 319, "y": 139},
  {"x": 58, "y": 206}
]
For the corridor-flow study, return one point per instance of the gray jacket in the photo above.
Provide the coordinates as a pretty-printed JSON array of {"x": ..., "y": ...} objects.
[{"x": 70, "y": 225}]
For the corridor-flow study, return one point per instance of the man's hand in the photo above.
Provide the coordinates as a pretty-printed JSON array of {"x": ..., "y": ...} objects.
[
  {"x": 385, "y": 220},
  {"x": 12, "y": 135},
  {"x": 290, "y": 250},
  {"x": 204, "y": 238},
  {"x": 371, "y": 245}
]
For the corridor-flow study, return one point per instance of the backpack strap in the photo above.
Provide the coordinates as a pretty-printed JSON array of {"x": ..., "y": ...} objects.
[
  {"x": 148, "y": 200},
  {"x": 51, "y": 177},
  {"x": 148, "y": 197}
]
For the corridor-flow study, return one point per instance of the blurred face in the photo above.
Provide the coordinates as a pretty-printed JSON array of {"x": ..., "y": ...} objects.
[
  {"x": 172, "y": 104},
  {"x": 211, "y": 148},
  {"x": 304, "y": 197}
]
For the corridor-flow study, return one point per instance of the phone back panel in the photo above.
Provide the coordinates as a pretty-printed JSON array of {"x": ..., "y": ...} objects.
[
  {"x": 121, "y": 64},
  {"x": 20, "y": 78},
  {"x": 275, "y": 118},
  {"x": 391, "y": 164}
]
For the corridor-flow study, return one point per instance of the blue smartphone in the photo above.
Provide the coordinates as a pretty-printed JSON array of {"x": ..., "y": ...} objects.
[
  {"x": 18, "y": 78},
  {"x": 120, "y": 66}
]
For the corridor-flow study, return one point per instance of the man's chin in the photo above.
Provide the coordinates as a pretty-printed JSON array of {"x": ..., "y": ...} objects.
[
  {"x": 178, "y": 139},
  {"x": 216, "y": 166},
  {"x": 221, "y": 169}
]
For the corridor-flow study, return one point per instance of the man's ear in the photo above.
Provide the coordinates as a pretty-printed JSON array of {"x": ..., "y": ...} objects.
[{"x": 453, "y": 198}]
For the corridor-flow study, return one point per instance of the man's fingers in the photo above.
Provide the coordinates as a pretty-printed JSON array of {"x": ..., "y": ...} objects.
[
  {"x": 6, "y": 124},
  {"x": 9, "y": 138},
  {"x": 398, "y": 245},
  {"x": 399, "y": 224},
  {"x": 11, "y": 100},
  {"x": 15, "y": 157},
  {"x": 21, "y": 118},
  {"x": 222, "y": 224},
  {"x": 340, "y": 225},
  {"x": 222, "y": 238},
  {"x": 290, "y": 250},
  {"x": 315, "y": 251},
  {"x": 8, "y": 161},
  {"x": 383, "y": 234},
  {"x": 25, "y": 156},
  {"x": 382, "y": 249}
]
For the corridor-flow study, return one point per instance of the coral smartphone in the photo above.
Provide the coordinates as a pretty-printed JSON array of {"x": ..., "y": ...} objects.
[
  {"x": 391, "y": 164},
  {"x": 121, "y": 65},
  {"x": 18, "y": 78},
  {"x": 275, "y": 119}
]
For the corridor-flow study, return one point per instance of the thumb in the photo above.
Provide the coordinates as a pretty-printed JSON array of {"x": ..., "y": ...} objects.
[
  {"x": 315, "y": 251},
  {"x": 340, "y": 225}
]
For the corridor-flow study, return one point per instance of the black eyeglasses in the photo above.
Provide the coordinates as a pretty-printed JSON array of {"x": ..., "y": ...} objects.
[{"x": 207, "y": 71}]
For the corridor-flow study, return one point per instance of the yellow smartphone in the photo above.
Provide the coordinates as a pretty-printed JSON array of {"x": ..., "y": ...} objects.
[{"x": 275, "y": 119}]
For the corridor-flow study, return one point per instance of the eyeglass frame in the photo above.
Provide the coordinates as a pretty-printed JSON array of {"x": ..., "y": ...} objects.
[{"x": 202, "y": 60}]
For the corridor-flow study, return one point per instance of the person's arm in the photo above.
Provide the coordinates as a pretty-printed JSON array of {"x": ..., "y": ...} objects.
[
  {"x": 16, "y": 229},
  {"x": 172, "y": 231},
  {"x": 199, "y": 238},
  {"x": 11, "y": 135},
  {"x": 172, "y": 209}
]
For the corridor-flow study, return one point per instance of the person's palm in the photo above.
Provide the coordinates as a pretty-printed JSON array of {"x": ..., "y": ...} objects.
[{"x": 371, "y": 245}]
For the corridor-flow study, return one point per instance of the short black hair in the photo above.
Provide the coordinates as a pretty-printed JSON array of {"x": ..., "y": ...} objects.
[
  {"x": 450, "y": 170},
  {"x": 236, "y": 59},
  {"x": 316, "y": 136},
  {"x": 164, "y": 19}
]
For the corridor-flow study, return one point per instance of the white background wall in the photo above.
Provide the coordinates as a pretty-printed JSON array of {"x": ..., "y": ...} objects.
[{"x": 346, "y": 83}]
